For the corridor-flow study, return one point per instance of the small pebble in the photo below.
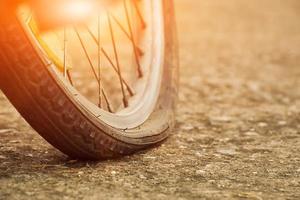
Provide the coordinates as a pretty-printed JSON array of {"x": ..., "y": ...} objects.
[
  {"x": 80, "y": 173},
  {"x": 5, "y": 131},
  {"x": 142, "y": 177},
  {"x": 200, "y": 172},
  {"x": 282, "y": 123},
  {"x": 262, "y": 124},
  {"x": 113, "y": 172},
  {"x": 229, "y": 152},
  {"x": 150, "y": 157},
  {"x": 187, "y": 127},
  {"x": 221, "y": 119},
  {"x": 198, "y": 154},
  {"x": 251, "y": 133}
]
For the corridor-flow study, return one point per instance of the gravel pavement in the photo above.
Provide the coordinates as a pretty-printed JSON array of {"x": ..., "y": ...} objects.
[{"x": 238, "y": 126}]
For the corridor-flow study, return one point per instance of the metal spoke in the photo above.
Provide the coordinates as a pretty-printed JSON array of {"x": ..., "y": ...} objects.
[
  {"x": 65, "y": 52},
  {"x": 139, "y": 69},
  {"x": 144, "y": 25},
  {"x": 66, "y": 72},
  {"x": 70, "y": 77},
  {"x": 125, "y": 101},
  {"x": 86, "y": 54},
  {"x": 129, "y": 89},
  {"x": 107, "y": 101},
  {"x": 140, "y": 51},
  {"x": 99, "y": 63},
  {"x": 94, "y": 72}
]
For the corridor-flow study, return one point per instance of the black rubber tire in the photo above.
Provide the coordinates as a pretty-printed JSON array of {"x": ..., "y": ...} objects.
[{"x": 45, "y": 105}]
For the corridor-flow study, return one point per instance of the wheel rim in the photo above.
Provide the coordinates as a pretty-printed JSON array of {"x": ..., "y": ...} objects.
[{"x": 142, "y": 104}]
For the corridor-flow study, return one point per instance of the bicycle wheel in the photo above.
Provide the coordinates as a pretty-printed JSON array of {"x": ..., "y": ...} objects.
[{"x": 106, "y": 122}]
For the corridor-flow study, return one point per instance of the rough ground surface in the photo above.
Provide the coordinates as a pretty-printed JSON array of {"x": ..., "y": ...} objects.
[{"x": 238, "y": 130}]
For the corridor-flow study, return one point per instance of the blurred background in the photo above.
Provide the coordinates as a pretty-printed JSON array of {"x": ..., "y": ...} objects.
[{"x": 238, "y": 121}]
